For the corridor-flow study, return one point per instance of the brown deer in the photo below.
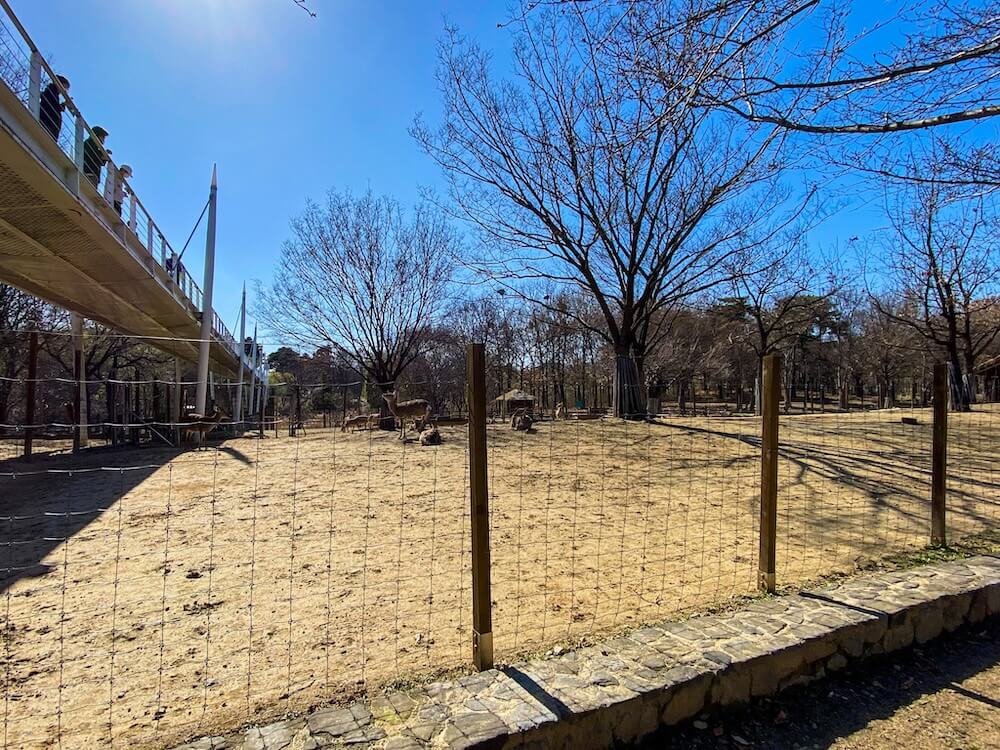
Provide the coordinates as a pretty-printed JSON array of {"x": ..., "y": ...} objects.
[
  {"x": 416, "y": 409},
  {"x": 202, "y": 425},
  {"x": 359, "y": 420},
  {"x": 521, "y": 420}
]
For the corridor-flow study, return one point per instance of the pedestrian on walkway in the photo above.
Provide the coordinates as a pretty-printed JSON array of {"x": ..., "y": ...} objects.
[
  {"x": 94, "y": 156},
  {"x": 123, "y": 173},
  {"x": 52, "y": 104}
]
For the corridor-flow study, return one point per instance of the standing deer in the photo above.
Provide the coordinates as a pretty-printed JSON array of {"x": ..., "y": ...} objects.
[
  {"x": 201, "y": 424},
  {"x": 416, "y": 409}
]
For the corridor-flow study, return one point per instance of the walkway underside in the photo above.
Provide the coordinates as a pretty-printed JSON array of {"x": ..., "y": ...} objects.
[{"x": 57, "y": 247}]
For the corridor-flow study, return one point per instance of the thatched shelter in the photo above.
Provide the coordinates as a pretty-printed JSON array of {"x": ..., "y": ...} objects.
[
  {"x": 988, "y": 373},
  {"x": 513, "y": 400}
]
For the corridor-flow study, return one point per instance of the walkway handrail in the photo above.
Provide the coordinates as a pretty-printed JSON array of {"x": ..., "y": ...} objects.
[{"x": 116, "y": 190}]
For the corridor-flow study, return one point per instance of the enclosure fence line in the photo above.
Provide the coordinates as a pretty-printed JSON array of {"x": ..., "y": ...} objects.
[{"x": 152, "y": 596}]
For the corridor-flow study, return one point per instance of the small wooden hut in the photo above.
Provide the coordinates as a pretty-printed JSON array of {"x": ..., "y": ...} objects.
[
  {"x": 988, "y": 374},
  {"x": 513, "y": 400}
]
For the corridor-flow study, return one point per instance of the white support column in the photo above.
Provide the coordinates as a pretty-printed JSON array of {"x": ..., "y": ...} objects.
[
  {"x": 35, "y": 85},
  {"x": 76, "y": 322},
  {"x": 175, "y": 407},
  {"x": 241, "y": 352},
  {"x": 206, "y": 302},
  {"x": 254, "y": 366}
]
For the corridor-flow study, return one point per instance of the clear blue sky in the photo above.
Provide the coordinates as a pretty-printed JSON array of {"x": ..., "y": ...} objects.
[{"x": 287, "y": 105}]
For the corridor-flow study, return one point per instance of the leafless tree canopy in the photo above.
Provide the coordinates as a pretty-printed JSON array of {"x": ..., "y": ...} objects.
[
  {"x": 801, "y": 64},
  {"x": 938, "y": 272},
  {"x": 360, "y": 277},
  {"x": 579, "y": 177}
]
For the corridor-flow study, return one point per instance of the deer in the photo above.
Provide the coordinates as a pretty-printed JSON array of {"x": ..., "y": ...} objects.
[
  {"x": 416, "y": 409},
  {"x": 201, "y": 424},
  {"x": 521, "y": 420},
  {"x": 359, "y": 420},
  {"x": 430, "y": 436}
]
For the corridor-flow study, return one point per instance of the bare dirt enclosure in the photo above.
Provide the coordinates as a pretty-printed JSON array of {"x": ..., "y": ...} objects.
[{"x": 151, "y": 595}]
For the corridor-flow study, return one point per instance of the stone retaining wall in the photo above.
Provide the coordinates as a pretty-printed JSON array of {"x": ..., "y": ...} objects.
[{"x": 625, "y": 688}]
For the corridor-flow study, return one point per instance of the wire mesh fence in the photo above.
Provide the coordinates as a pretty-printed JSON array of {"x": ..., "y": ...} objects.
[{"x": 153, "y": 591}]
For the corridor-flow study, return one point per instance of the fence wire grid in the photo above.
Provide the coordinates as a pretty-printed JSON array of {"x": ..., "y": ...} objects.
[{"x": 154, "y": 592}]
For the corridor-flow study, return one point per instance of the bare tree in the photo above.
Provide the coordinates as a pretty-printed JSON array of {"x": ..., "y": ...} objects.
[
  {"x": 359, "y": 277},
  {"x": 783, "y": 295},
  {"x": 19, "y": 313},
  {"x": 577, "y": 177},
  {"x": 807, "y": 66},
  {"x": 942, "y": 268}
]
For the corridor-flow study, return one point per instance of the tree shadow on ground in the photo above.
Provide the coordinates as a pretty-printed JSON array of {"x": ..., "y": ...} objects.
[{"x": 55, "y": 497}]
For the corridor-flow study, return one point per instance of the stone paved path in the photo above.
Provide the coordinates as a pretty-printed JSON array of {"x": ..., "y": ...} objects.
[
  {"x": 626, "y": 688},
  {"x": 945, "y": 694}
]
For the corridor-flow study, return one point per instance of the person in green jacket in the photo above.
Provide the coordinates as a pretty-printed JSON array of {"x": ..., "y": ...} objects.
[{"x": 95, "y": 157}]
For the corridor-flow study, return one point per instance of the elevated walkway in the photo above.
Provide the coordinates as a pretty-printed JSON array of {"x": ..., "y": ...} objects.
[{"x": 61, "y": 237}]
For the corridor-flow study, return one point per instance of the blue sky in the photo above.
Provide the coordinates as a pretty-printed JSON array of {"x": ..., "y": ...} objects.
[{"x": 288, "y": 105}]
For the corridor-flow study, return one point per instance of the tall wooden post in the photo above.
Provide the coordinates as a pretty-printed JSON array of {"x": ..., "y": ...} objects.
[
  {"x": 482, "y": 615},
  {"x": 79, "y": 400},
  {"x": 771, "y": 395},
  {"x": 29, "y": 411},
  {"x": 298, "y": 408},
  {"x": 939, "y": 459},
  {"x": 343, "y": 405}
]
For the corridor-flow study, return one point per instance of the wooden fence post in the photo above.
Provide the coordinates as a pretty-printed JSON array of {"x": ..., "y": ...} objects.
[
  {"x": 482, "y": 616},
  {"x": 939, "y": 458},
  {"x": 29, "y": 411},
  {"x": 770, "y": 398}
]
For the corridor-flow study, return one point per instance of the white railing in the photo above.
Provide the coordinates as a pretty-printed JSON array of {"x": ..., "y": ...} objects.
[{"x": 31, "y": 79}]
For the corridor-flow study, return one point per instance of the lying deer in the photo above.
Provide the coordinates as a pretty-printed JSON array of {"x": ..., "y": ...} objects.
[
  {"x": 202, "y": 425},
  {"x": 416, "y": 409},
  {"x": 359, "y": 420},
  {"x": 521, "y": 420}
]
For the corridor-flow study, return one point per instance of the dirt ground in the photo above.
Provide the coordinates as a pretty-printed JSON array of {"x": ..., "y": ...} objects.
[
  {"x": 152, "y": 595},
  {"x": 942, "y": 695}
]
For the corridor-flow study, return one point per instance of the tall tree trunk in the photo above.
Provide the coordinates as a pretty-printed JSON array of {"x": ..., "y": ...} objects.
[
  {"x": 627, "y": 395},
  {"x": 959, "y": 393}
]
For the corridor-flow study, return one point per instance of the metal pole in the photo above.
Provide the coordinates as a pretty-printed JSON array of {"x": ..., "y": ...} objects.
[
  {"x": 482, "y": 616},
  {"x": 770, "y": 397},
  {"x": 939, "y": 457},
  {"x": 29, "y": 411},
  {"x": 204, "y": 347},
  {"x": 241, "y": 352}
]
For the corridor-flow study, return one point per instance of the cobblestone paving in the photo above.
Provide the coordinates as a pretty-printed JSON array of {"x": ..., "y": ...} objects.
[{"x": 625, "y": 688}]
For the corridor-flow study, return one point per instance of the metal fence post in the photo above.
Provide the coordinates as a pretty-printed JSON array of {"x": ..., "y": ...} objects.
[
  {"x": 482, "y": 616},
  {"x": 939, "y": 458},
  {"x": 770, "y": 398}
]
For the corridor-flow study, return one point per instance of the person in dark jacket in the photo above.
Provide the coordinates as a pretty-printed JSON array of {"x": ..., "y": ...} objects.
[
  {"x": 94, "y": 157},
  {"x": 52, "y": 105}
]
